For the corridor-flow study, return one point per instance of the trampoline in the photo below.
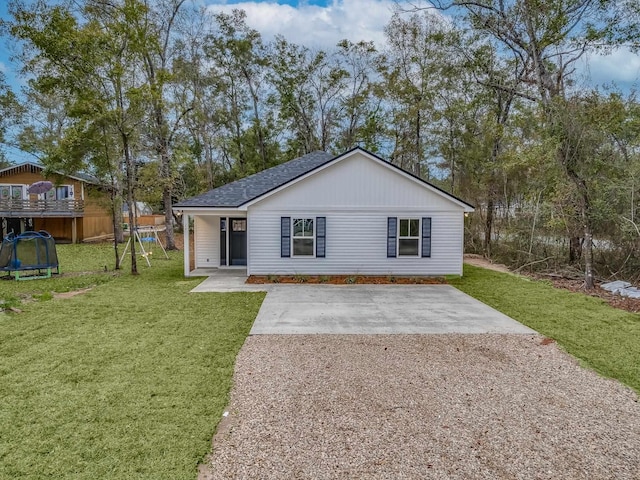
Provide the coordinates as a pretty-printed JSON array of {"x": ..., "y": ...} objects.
[{"x": 29, "y": 255}]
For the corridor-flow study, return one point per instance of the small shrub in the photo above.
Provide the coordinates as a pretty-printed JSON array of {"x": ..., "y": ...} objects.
[
  {"x": 392, "y": 279},
  {"x": 273, "y": 279},
  {"x": 9, "y": 301},
  {"x": 350, "y": 280},
  {"x": 43, "y": 297},
  {"x": 301, "y": 278},
  {"x": 323, "y": 279}
]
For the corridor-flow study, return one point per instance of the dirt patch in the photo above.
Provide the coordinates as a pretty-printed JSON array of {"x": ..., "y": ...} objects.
[
  {"x": 346, "y": 280},
  {"x": 72, "y": 293},
  {"x": 480, "y": 261}
]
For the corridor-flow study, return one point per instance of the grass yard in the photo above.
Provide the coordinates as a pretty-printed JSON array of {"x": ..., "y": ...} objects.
[
  {"x": 126, "y": 381},
  {"x": 602, "y": 337}
]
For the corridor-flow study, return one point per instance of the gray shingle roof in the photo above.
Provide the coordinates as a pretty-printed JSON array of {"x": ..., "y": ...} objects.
[{"x": 246, "y": 189}]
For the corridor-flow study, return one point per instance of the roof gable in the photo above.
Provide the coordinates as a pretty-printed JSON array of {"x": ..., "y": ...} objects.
[
  {"x": 259, "y": 186},
  {"x": 394, "y": 168},
  {"x": 362, "y": 181},
  {"x": 31, "y": 167}
]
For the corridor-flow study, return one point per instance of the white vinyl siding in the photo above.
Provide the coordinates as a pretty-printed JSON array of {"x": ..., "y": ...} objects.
[
  {"x": 206, "y": 241},
  {"x": 356, "y": 196},
  {"x": 356, "y": 243},
  {"x": 358, "y": 182}
]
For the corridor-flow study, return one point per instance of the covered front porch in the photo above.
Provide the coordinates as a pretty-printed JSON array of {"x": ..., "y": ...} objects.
[{"x": 219, "y": 242}]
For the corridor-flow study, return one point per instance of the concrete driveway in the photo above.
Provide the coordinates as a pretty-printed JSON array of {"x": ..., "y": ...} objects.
[{"x": 377, "y": 309}]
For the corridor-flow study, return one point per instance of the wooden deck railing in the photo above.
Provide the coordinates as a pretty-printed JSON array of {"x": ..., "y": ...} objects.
[{"x": 26, "y": 208}]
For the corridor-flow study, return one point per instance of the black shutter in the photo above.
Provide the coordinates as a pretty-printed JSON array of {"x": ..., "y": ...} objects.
[
  {"x": 321, "y": 224},
  {"x": 392, "y": 230},
  {"x": 285, "y": 236},
  {"x": 426, "y": 236}
]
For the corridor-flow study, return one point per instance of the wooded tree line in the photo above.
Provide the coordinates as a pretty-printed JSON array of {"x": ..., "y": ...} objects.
[{"x": 485, "y": 99}]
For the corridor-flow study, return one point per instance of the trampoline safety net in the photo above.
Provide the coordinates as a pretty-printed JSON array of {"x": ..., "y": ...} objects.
[{"x": 28, "y": 251}]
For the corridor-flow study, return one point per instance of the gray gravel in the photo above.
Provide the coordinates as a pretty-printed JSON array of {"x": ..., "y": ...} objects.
[{"x": 422, "y": 406}]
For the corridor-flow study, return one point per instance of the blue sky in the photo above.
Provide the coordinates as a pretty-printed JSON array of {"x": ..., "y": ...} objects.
[
  {"x": 322, "y": 23},
  {"x": 5, "y": 64}
]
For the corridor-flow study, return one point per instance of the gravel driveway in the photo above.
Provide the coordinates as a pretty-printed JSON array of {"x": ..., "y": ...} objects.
[{"x": 422, "y": 406}]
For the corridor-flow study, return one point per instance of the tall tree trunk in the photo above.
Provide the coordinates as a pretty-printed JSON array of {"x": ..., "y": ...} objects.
[
  {"x": 115, "y": 205},
  {"x": 589, "y": 282},
  {"x": 162, "y": 149},
  {"x": 488, "y": 226},
  {"x": 131, "y": 201},
  {"x": 256, "y": 116},
  {"x": 588, "y": 237},
  {"x": 575, "y": 249},
  {"x": 208, "y": 155},
  {"x": 416, "y": 166}
]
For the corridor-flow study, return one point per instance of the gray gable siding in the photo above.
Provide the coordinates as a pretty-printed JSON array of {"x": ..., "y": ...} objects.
[{"x": 246, "y": 189}]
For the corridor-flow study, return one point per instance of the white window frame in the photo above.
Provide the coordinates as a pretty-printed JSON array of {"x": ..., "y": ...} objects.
[
  {"x": 409, "y": 237},
  {"x": 294, "y": 237},
  {"x": 54, "y": 189},
  {"x": 11, "y": 186}
]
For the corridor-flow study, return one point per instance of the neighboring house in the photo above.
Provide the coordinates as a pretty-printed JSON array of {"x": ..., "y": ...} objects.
[
  {"x": 319, "y": 215},
  {"x": 73, "y": 210}
]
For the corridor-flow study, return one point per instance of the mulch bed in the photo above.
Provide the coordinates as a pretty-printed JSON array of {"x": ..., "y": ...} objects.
[{"x": 346, "y": 279}]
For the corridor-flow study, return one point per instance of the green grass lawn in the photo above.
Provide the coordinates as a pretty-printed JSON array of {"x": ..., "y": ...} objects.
[
  {"x": 602, "y": 337},
  {"x": 126, "y": 381},
  {"x": 130, "y": 379}
]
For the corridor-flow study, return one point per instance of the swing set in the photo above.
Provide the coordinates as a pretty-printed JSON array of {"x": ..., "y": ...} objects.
[{"x": 145, "y": 235}]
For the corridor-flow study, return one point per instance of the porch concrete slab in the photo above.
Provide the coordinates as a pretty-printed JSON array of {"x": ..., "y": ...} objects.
[
  {"x": 377, "y": 309},
  {"x": 228, "y": 280}
]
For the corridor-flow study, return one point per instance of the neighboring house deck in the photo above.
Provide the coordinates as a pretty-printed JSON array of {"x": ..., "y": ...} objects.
[
  {"x": 73, "y": 210},
  {"x": 43, "y": 208}
]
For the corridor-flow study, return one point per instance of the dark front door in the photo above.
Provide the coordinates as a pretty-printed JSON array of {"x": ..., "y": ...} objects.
[{"x": 237, "y": 241}]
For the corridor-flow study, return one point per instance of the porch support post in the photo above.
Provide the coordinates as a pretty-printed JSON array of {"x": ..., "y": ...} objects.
[
  {"x": 74, "y": 230},
  {"x": 185, "y": 229}
]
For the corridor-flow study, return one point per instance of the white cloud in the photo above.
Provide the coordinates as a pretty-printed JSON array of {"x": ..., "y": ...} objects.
[
  {"x": 3, "y": 68},
  {"x": 314, "y": 25},
  {"x": 355, "y": 20},
  {"x": 621, "y": 66}
]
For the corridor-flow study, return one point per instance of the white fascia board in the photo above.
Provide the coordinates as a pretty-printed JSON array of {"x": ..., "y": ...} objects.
[
  {"x": 218, "y": 212},
  {"x": 463, "y": 205}
]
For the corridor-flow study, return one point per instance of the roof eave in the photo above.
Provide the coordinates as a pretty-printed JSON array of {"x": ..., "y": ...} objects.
[{"x": 180, "y": 208}]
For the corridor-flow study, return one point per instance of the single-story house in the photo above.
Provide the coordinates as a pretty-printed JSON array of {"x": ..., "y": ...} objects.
[{"x": 325, "y": 215}]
